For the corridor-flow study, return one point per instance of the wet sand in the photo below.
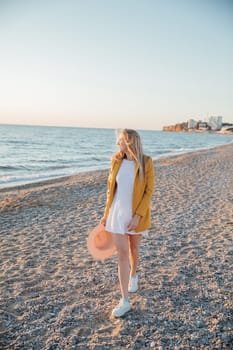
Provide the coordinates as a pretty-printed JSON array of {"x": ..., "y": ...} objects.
[{"x": 53, "y": 295}]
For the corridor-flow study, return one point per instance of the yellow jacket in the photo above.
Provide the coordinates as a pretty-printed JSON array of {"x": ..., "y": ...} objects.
[{"x": 142, "y": 192}]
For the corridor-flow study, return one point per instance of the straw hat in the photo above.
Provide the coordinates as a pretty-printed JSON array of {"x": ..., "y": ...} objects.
[{"x": 100, "y": 243}]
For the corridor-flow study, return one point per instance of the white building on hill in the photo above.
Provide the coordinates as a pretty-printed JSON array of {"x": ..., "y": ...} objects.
[
  {"x": 192, "y": 124},
  {"x": 215, "y": 123}
]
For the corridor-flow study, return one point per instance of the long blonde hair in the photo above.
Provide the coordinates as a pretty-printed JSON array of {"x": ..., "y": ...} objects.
[{"x": 133, "y": 143}]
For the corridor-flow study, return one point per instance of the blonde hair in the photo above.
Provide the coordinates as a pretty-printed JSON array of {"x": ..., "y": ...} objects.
[{"x": 132, "y": 140}]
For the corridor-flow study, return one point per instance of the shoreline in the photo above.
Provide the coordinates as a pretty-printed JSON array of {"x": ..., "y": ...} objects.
[
  {"x": 218, "y": 132},
  {"x": 91, "y": 172},
  {"x": 53, "y": 295}
]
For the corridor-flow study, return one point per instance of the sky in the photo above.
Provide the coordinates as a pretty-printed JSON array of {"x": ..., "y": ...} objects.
[{"x": 138, "y": 64}]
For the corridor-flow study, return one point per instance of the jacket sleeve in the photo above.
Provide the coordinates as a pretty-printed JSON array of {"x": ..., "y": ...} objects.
[
  {"x": 109, "y": 181},
  {"x": 149, "y": 188}
]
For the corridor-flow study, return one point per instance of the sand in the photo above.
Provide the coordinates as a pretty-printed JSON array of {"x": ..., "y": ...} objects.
[{"x": 55, "y": 296}]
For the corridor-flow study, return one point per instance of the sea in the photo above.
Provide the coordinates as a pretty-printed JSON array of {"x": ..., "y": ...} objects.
[{"x": 33, "y": 153}]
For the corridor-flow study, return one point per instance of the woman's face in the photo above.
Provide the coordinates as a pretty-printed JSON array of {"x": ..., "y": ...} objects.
[{"x": 121, "y": 144}]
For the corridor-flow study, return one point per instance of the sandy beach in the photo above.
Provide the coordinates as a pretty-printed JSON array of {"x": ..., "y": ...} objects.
[{"x": 55, "y": 296}]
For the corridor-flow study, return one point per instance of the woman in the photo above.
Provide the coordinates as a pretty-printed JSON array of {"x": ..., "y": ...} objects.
[{"x": 127, "y": 211}]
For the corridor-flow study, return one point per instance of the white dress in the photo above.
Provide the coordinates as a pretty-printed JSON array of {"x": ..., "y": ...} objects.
[{"x": 120, "y": 212}]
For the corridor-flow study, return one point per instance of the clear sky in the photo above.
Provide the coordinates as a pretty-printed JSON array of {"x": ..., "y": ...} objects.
[{"x": 115, "y": 63}]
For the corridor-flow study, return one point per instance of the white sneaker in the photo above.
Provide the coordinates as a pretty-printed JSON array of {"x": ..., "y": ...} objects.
[
  {"x": 121, "y": 309},
  {"x": 133, "y": 284}
]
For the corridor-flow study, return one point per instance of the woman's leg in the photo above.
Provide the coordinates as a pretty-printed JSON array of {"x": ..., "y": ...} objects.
[
  {"x": 122, "y": 246},
  {"x": 134, "y": 242}
]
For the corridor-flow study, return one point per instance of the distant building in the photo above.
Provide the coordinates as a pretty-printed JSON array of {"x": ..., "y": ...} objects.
[
  {"x": 192, "y": 124},
  {"x": 215, "y": 123},
  {"x": 202, "y": 126},
  {"x": 227, "y": 128}
]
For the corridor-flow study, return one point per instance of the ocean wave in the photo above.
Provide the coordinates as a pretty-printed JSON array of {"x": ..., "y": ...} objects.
[{"x": 11, "y": 167}]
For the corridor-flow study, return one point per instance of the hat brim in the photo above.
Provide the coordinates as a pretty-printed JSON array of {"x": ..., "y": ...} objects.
[{"x": 100, "y": 243}]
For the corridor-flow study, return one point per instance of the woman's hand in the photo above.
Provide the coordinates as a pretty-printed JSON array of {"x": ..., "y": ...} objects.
[
  {"x": 103, "y": 221},
  {"x": 134, "y": 222}
]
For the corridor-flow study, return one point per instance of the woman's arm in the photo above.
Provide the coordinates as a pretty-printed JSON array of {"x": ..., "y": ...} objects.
[
  {"x": 106, "y": 209},
  {"x": 134, "y": 222},
  {"x": 149, "y": 188}
]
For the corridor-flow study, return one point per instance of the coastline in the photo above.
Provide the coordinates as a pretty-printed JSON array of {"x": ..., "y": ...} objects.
[
  {"x": 211, "y": 132},
  {"x": 54, "y": 296}
]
